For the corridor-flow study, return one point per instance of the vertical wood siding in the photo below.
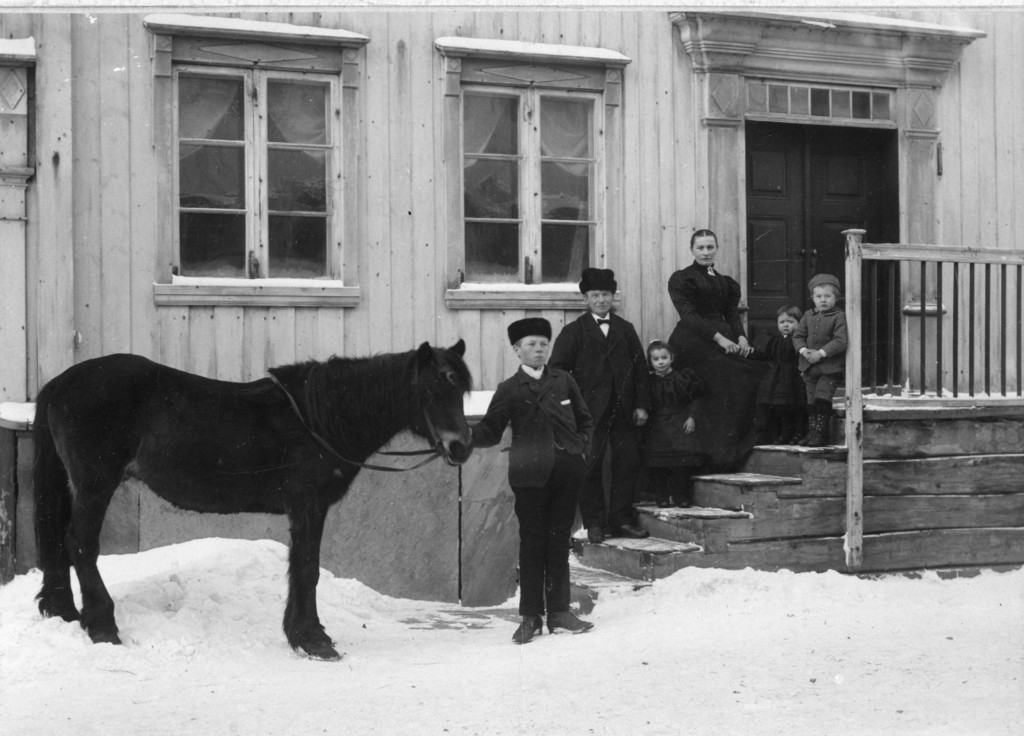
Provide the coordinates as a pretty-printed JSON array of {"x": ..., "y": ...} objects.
[{"x": 94, "y": 218}]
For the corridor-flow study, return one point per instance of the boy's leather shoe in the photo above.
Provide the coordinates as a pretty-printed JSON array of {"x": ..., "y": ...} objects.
[
  {"x": 595, "y": 535},
  {"x": 530, "y": 627},
  {"x": 567, "y": 621},
  {"x": 630, "y": 531}
]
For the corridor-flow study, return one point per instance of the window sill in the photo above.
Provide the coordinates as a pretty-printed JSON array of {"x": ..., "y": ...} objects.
[
  {"x": 256, "y": 293},
  {"x": 505, "y": 296}
]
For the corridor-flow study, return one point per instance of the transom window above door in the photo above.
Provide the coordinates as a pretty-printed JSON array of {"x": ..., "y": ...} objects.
[
  {"x": 529, "y": 176},
  {"x": 255, "y": 166}
]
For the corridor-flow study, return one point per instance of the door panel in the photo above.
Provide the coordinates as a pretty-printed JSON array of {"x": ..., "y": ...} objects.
[{"x": 806, "y": 184}]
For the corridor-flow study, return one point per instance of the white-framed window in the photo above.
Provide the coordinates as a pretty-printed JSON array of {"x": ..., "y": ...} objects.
[
  {"x": 531, "y": 131},
  {"x": 531, "y": 165},
  {"x": 258, "y": 135},
  {"x": 256, "y": 165}
]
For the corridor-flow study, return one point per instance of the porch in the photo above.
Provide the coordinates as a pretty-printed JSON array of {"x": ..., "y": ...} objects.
[{"x": 934, "y": 474}]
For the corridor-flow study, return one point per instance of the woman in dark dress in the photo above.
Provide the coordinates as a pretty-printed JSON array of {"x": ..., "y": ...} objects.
[{"x": 710, "y": 339}]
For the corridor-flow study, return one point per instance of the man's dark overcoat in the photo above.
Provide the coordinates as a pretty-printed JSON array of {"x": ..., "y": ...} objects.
[{"x": 604, "y": 366}]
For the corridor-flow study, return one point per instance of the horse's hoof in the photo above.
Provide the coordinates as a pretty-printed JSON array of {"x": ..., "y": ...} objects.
[
  {"x": 67, "y": 613},
  {"x": 104, "y": 636},
  {"x": 320, "y": 650}
]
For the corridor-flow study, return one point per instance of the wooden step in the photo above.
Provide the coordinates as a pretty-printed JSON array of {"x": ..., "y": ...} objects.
[
  {"x": 639, "y": 559},
  {"x": 741, "y": 491},
  {"x": 823, "y": 472},
  {"x": 696, "y": 525}
]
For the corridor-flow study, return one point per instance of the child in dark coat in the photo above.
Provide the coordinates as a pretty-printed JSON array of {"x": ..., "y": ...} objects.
[
  {"x": 671, "y": 449},
  {"x": 781, "y": 415},
  {"x": 551, "y": 435},
  {"x": 603, "y": 353},
  {"x": 820, "y": 340}
]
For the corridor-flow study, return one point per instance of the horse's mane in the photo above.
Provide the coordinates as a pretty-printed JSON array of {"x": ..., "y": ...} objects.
[{"x": 359, "y": 403}]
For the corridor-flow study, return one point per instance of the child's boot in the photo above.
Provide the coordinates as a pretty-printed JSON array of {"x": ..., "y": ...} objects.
[
  {"x": 814, "y": 428},
  {"x": 819, "y": 435}
]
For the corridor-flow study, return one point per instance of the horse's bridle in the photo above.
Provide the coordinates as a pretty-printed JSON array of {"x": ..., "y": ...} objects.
[{"x": 435, "y": 439}]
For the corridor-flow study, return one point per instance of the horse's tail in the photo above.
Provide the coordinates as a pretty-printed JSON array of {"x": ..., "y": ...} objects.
[{"x": 52, "y": 516}]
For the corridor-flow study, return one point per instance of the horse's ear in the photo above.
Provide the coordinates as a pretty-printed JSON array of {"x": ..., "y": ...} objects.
[
  {"x": 424, "y": 355},
  {"x": 459, "y": 348}
]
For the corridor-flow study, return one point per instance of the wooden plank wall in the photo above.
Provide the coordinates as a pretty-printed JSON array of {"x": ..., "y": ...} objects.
[{"x": 100, "y": 196}]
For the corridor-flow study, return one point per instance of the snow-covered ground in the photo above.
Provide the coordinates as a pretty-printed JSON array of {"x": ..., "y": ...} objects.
[{"x": 702, "y": 652}]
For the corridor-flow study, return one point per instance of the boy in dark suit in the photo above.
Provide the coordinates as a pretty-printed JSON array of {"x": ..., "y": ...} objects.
[
  {"x": 551, "y": 435},
  {"x": 603, "y": 353}
]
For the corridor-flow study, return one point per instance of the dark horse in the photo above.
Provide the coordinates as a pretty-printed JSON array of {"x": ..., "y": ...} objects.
[{"x": 290, "y": 444}]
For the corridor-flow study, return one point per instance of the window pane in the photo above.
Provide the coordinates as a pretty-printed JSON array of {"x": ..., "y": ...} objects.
[
  {"x": 757, "y": 97},
  {"x": 840, "y": 103},
  {"x": 296, "y": 113},
  {"x": 298, "y": 247},
  {"x": 798, "y": 100},
  {"x": 212, "y": 244},
  {"x": 778, "y": 98},
  {"x": 880, "y": 103},
  {"x": 566, "y": 191},
  {"x": 297, "y": 180},
  {"x": 565, "y": 128},
  {"x": 819, "y": 102},
  {"x": 210, "y": 108},
  {"x": 862, "y": 105},
  {"x": 490, "y": 124},
  {"x": 566, "y": 252},
  {"x": 491, "y": 188},
  {"x": 492, "y": 251},
  {"x": 211, "y": 176}
]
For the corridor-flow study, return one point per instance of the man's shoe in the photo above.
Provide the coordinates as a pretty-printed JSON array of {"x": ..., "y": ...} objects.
[
  {"x": 530, "y": 627},
  {"x": 595, "y": 535},
  {"x": 630, "y": 531},
  {"x": 568, "y": 621}
]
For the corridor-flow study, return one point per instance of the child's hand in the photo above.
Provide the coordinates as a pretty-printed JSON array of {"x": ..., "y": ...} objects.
[
  {"x": 689, "y": 425},
  {"x": 639, "y": 417},
  {"x": 811, "y": 356}
]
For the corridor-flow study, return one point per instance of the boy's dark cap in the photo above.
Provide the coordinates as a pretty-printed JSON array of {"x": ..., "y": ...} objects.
[
  {"x": 529, "y": 326},
  {"x": 824, "y": 279},
  {"x": 598, "y": 279}
]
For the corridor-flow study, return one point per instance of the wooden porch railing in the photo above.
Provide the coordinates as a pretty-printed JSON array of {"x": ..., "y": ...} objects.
[{"x": 960, "y": 339}]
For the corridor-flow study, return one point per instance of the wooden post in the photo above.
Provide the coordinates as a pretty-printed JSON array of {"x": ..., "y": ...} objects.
[{"x": 854, "y": 404}]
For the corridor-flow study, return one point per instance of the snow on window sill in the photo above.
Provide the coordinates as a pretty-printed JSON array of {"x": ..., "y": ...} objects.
[
  {"x": 516, "y": 296},
  {"x": 184, "y": 291}
]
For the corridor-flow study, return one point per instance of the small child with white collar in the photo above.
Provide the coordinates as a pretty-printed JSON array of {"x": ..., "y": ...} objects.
[{"x": 821, "y": 340}]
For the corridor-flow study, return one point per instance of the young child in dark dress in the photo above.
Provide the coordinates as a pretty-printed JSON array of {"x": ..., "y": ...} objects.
[
  {"x": 781, "y": 415},
  {"x": 671, "y": 450}
]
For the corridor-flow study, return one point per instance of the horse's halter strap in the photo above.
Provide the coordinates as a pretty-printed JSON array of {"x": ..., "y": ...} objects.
[{"x": 435, "y": 453}]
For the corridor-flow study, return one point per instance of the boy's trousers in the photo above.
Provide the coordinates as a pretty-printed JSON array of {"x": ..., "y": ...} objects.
[
  {"x": 618, "y": 435},
  {"x": 546, "y": 515}
]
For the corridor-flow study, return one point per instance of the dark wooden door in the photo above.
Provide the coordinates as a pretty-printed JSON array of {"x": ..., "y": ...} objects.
[{"x": 806, "y": 184}]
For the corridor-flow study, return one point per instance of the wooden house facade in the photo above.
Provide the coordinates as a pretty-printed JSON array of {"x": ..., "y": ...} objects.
[{"x": 466, "y": 163}]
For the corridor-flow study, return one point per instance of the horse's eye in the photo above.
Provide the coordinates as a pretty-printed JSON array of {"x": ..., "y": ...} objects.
[{"x": 450, "y": 376}]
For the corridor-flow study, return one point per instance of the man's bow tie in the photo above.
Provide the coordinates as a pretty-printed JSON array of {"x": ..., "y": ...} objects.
[{"x": 604, "y": 320}]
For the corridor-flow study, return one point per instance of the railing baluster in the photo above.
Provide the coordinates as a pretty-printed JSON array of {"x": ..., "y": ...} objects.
[
  {"x": 924, "y": 364},
  {"x": 1003, "y": 326},
  {"x": 1020, "y": 323},
  {"x": 873, "y": 327},
  {"x": 956, "y": 329},
  {"x": 893, "y": 334},
  {"x": 988, "y": 329},
  {"x": 938, "y": 328},
  {"x": 971, "y": 329}
]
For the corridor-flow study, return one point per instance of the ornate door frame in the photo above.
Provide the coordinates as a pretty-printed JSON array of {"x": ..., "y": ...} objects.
[{"x": 733, "y": 55}]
